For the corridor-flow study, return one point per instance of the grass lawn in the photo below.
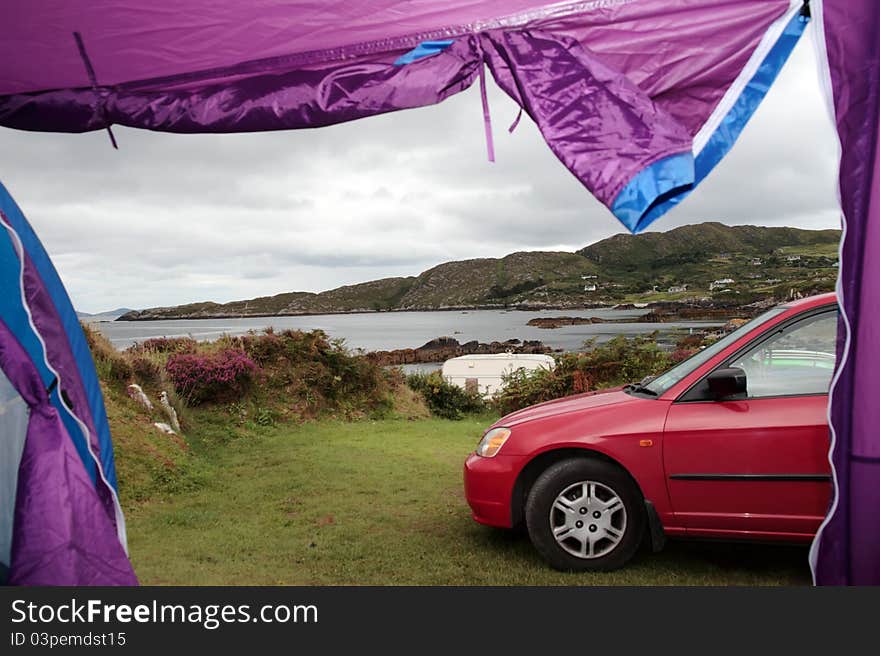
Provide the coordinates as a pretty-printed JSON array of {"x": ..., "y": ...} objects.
[{"x": 376, "y": 502}]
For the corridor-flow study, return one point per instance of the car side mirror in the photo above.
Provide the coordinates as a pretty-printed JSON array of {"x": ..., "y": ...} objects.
[{"x": 727, "y": 383}]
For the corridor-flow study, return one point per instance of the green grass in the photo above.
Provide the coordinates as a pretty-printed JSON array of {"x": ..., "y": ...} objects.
[{"x": 374, "y": 502}]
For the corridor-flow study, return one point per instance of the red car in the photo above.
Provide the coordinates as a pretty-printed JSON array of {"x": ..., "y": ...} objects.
[{"x": 731, "y": 443}]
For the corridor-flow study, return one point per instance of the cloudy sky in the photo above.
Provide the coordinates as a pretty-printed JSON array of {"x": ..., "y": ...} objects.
[{"x": 170, "y": 219}]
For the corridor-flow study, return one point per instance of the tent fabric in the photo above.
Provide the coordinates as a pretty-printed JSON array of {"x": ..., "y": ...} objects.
[
  {"x": 62, "y": 534},
  {"x": 67, "y": 526},
  {"x": 15, "y": 416},
  {"x": 638, "y": 98},
  {"x": 67, "y": 351},
  {"x": 847, "y": 548},
  {"x": 624, "y": 91}
]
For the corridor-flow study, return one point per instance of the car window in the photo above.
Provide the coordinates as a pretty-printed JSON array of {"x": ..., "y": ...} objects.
[
  {"x": 669, "y": 378},
  {"x": 796, "y": 360}
]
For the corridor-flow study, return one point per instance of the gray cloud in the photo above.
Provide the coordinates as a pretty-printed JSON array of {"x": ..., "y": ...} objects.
[{"x": 178, "y": 218}]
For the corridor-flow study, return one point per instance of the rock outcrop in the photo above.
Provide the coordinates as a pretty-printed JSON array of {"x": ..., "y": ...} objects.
[{"x": 556, "y": 322}]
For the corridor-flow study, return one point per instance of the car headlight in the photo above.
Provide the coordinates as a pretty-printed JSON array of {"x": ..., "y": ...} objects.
[{"x": 492, "y": 442}]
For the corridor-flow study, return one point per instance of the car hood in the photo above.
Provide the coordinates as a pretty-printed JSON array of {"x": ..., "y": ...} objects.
[{"x": 567, "y": 404}]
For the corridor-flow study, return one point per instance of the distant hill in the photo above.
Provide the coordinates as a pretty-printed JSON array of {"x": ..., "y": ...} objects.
[
  {"x": 696, "y": 243},
  {"x": 109, "y": 313},
  {"x": 681, "y": 264}
]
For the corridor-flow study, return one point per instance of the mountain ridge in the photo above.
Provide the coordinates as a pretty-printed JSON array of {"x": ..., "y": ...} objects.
[{"x": 109, "y": 313}]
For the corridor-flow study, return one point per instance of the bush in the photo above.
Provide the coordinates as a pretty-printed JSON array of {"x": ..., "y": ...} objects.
[
  {"x": 689, "y": 342},
  {"x": 111, "y": 365},
  {"x": 443, "y": 398},
  {"x": 314, "y": 374},
  {"x": 166, "y": 345},
  {"x": 264, "y": 349},
  {"x": 301, "y": 374},
  {"x": 680, "y": 355},
  {"x": 146, "y": 371},
  {"x": 219, "y": 377},
  {"x": 616, "y": 362}
]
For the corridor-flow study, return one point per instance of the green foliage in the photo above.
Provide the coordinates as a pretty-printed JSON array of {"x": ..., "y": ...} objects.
[
  {"x": 146, "y": 370},
  {"x": 443, "y": 398},
  {"x": 264, "y": 417},
  {"x": 110, "y": 364},
  {"x": 308, "y": 374},
  {"x": 166, "y": 345},
  {"x": 616, "y": 362}
]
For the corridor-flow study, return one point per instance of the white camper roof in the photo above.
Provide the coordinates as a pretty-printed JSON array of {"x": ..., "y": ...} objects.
[
  {"x": 520, "y": 357},
  {"x": 486, "y": 372},
  {"x": 495, "y": 365}
]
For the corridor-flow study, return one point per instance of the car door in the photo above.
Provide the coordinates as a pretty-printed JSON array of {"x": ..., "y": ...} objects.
[{"x": 758, "y": 465}]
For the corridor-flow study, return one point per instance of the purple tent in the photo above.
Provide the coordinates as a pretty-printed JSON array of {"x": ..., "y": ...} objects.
[
  {"x": 60, "y": 520},
  {"x": 847, "y": 549},
  {"x": 640, "y": 99}
]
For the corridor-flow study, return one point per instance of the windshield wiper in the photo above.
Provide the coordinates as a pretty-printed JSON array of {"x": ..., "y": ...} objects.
[{"x": 638, "y": 388}]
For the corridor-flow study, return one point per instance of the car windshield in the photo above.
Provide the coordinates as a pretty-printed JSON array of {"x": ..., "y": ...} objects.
[{"x": 666, "y": 380}]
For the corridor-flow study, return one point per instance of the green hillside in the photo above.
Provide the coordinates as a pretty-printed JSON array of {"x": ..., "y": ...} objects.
[
  {"x": 696, "y": 243},
  {"x": 686, "y": 263},
  {"x": 763, "y": 262}
]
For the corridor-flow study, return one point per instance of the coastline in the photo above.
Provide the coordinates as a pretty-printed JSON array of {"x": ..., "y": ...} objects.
[
  {"x": 462, "y": 308},
  {"x": 660, "y": 310}
]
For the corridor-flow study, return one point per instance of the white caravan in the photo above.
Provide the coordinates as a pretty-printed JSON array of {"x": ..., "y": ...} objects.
[{"x": 483, "y": 373}]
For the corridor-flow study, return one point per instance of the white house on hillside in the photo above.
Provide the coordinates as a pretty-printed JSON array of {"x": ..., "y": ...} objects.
[{"x": 718, "y": 284}]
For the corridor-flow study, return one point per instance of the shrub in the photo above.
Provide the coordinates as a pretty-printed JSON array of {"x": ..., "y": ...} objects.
[
  {"x": 317, "y": 373},
  {"x": 263, "y": 348},
  {"x": 301, "y": 374},
  {"x": 146, "y": 371},
  {"x": 690, "y": 342},
  {"x": 110, "y": 364},
  {"x": 166, "y": 345},
  {"x": 218, "y": 377},
  {"x": 443, "y": 398},
  {"x": 616, "y": 362},
  {"x": 679, "y": 355}
]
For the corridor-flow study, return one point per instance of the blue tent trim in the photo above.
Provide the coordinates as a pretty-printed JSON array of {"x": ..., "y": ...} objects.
[
  {"x": 76, "y": 338},
  {"x": 424, "y": 49},
  {"x": 626, "y": 206},
  {"x": 666, "y": 176},
  {"x": 18, "y": 321}
]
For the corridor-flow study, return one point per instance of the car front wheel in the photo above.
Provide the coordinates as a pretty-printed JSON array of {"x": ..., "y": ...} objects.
[{"x": 585, "y": 514}]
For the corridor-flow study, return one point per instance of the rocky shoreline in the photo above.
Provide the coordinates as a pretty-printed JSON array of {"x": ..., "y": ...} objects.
[
  {"x": 158, "y": 314},
  {"x": 661, "y": 312},
  {"x": 656, "y": 312}
]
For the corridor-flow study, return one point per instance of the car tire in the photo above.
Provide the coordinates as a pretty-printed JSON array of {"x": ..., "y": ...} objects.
[{"x": 585, "y": 514}]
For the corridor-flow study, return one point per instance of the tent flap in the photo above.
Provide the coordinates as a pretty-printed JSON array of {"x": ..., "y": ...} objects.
[
  {"x": 847, "y": 549},
  {"x": 625, "y": 92},
  {"x": 68, "y": 526},
  {"x": 600, "y": 124}
]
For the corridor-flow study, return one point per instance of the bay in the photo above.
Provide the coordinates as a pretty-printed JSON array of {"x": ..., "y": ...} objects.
[{"x": 396, "y": 330}]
